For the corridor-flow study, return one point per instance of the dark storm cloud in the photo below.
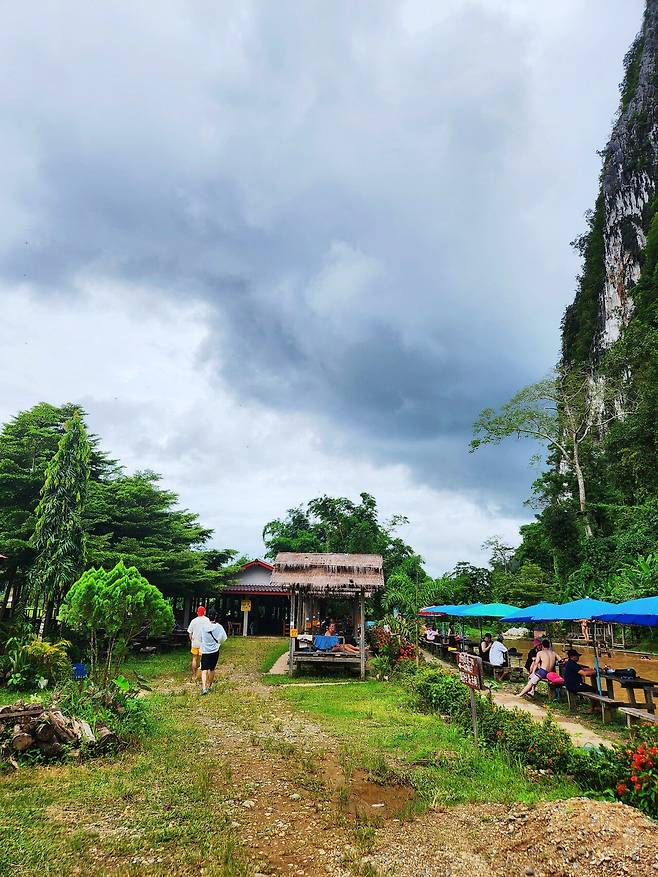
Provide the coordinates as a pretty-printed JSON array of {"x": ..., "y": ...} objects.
[{"x": 365, "y": 194}]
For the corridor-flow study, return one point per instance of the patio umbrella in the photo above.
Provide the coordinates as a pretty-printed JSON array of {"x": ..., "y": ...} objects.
[
  {"x": 436, "y": 610},
  {"x": 586, "y": 609},
  {"x": 577, "y": 610},
  {"x": 488, "y": 610},
  {"x": 643, "y": 611},
  {"x": 530, "y": 613}
]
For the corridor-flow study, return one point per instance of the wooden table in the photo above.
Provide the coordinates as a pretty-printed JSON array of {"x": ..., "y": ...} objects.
[{"x": 631, "y": 686}]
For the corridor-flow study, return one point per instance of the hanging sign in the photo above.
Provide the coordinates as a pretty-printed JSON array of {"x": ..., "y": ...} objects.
[{"x": 245, "y": 606}]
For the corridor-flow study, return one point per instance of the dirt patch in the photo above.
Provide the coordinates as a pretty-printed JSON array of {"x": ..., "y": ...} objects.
[
  {"x": 574, "y": 838},
  {"x": 368, "y": 799}
]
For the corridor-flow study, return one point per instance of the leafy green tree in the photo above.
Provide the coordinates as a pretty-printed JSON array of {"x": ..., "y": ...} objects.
[
  {"x": 525, "y": 586},
  {"x": 58, "y": 533},
  {"x": 134, "y": 519},
  {"x": 112, "y": 608},
  {"x": 125, "y": 516},
  {"x": 409, "y": 588},
  {"x": 472, "y": 583},
  {"x": 27, "y": 444},
  {"x": 636, "y": 579},
  {"x": 560, "y": 411},
  {"x": 329, "y": 524},
  {"x": 501, "y": 554}
]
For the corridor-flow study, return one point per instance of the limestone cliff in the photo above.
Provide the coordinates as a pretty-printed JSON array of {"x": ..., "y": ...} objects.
[{"x": 613, "y": 249}]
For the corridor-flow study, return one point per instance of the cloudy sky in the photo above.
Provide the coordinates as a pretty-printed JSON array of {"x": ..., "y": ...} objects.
[{"x": 280, "y": 249}]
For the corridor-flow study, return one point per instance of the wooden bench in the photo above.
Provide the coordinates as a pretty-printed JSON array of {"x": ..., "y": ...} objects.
[
  {"x": 633, "y": 715},
  {"x": 607, "y": 704}
]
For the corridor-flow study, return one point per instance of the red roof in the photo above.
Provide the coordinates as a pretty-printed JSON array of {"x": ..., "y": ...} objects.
[
  {"x": 264, "y": 589},
  {"x": 257, "y": 562}
]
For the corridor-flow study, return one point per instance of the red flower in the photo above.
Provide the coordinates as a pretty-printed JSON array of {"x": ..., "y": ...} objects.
[
  {"x": 621, "y": 789},
  {"x": 637, "y": 787}
]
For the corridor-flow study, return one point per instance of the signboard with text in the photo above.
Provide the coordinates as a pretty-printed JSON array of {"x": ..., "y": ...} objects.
[
  {"x": 470, "y": 670},
  {"x": 245, "y": 606},
  {"x": 470, "y": 673}
]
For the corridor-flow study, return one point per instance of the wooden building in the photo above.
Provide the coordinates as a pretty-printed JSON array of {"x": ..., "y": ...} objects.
[
  {"x": 253, "y": 605},
  {"x": 312, "y": 579}
]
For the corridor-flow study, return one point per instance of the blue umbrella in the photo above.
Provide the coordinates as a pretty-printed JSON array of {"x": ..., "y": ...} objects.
[
  {"x": 488, "y": 610},
  {"x": 577, "y": 610},
  {"x": 581, "y": 610},
  {"x": 437, "y": 610},
  {"x": 530, "y": 613},
  {"x": 642, "y": 611}
]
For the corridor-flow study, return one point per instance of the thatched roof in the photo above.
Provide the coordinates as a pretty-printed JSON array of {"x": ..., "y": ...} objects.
[{"x": 329, "y": 575}]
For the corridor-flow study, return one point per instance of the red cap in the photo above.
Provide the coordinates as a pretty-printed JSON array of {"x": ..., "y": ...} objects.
[{"x": 201, "y": 610}]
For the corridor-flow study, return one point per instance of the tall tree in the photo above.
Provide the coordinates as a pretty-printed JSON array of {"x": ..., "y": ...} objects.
[
  {"x": 132, "y": 518},
  {"x": 27, "y": 444},
  {"x": 561, "y": 411},
  {"x": 58, "y": 535}
]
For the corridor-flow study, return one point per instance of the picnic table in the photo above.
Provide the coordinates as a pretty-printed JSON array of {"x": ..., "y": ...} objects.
[{"x": 631, "y": 686}]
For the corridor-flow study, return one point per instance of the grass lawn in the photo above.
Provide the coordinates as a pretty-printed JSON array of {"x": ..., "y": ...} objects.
[
  {"x": 161, "y": 808},
  {"x": 376, "y": 725},
  {"x": 137, "y": 813}
]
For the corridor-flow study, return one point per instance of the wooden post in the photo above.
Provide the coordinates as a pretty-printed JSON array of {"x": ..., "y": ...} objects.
[
  {"x": 187, "y": 610},
  {"x": 474, "y": 714},
  {"x": 362, "y": 613},
  {"x": 291, "y": 643}
]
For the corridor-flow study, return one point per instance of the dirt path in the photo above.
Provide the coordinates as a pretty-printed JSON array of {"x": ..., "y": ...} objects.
[
  {"x": 579, "y": 733},
  {"x": 299, "y": 809}
]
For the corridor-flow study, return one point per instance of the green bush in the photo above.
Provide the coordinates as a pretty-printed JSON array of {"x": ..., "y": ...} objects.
[
  {"x": 49, "y": 660},
  {"x": 119, "y": 706},
  {"x": 32, "y": 663},
  {"x": 544, "y": 745}
]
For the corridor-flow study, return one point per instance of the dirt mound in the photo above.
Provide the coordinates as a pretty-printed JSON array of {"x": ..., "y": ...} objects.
[{"x": 573, "y": 838}]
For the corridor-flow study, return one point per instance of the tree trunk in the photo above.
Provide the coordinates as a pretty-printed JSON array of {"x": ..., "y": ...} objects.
[
  {"x": 5, "y": 600},
  {"x": 582, "y": 498}
]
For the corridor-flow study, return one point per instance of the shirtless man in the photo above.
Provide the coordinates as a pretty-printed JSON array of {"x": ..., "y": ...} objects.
[{"x": 543, "y": 664}]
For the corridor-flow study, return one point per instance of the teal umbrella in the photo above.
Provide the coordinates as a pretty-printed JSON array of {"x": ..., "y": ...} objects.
[{"x": 488, "y": 610}]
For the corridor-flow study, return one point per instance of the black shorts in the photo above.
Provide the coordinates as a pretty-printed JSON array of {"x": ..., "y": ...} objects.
[{"x": 209, "y": 660}]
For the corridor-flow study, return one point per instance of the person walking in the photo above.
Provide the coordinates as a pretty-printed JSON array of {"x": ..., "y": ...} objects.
[
  {"x": 194, "y": 633},
  {"x": 212, "y": 636}
]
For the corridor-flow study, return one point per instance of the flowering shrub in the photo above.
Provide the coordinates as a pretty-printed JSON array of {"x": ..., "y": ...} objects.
[
  {"x": 639, "y": 785},
  {"x": 393, "y": 647}
]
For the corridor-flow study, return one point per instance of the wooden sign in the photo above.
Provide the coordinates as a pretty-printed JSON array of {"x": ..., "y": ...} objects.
[
  {"x": 245, "y": 606},
  {"x": 470, "y": 673},
  {"x": 470, "y": 670}
]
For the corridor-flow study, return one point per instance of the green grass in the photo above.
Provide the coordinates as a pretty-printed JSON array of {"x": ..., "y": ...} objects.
[
  {"x": 137, "y": 813},
  {"x": 141, "y": 813},
  {"x": 373, "y": 722}
]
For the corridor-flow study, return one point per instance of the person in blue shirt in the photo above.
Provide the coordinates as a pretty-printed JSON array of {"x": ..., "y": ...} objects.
[{"x": 574, "y": 674}]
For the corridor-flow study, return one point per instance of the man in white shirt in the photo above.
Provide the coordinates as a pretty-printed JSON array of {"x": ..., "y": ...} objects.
[
  {"x": 212, "y": 636},
  {"x": 194, "y": 633},
  {"x": 497, "y": 654}
]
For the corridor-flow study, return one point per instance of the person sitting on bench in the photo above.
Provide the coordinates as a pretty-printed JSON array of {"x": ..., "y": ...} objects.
[
  {"x": 498, "y": 658},
  {"x": 574, "y": 674},
  {"x": 485, "y": 647},
  {"x": 543, "y": 664}
]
